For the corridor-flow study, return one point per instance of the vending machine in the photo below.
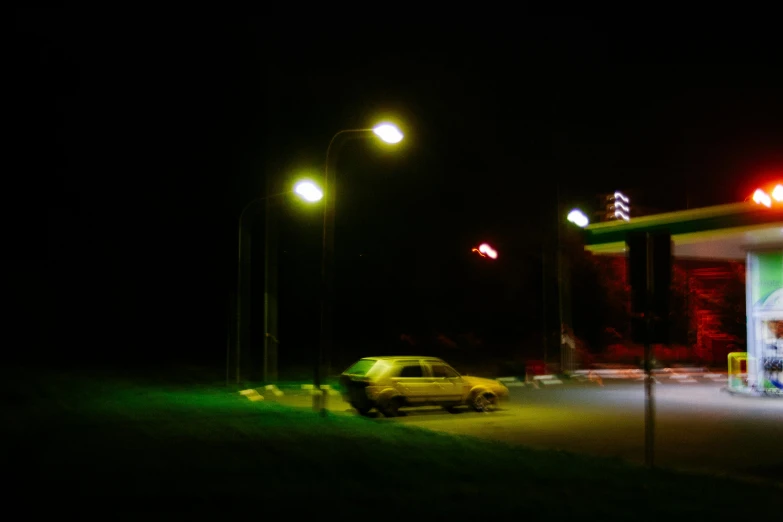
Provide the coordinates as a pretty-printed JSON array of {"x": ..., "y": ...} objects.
[{"x": 765, "y": 323}]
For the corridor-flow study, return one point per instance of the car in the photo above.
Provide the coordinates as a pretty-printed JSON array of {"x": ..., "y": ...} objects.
[{"x": 392, "y": 382}]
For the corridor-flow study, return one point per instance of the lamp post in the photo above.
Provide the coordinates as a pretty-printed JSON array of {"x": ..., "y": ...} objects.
[
  {"x": 307, "y": 191},
  {"x": 389, "y": 134},
  {"x": 567, "y": 343}
]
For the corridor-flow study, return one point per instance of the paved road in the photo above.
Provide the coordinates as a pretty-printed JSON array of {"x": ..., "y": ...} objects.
[{"x": 698, "y": 426}]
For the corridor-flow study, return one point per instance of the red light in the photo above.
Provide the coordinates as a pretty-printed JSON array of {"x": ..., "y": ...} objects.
[
  {"x": 769, "y": 195},
  {"x": 762, "y": 198},
  {"x": 484, "y": 250}
]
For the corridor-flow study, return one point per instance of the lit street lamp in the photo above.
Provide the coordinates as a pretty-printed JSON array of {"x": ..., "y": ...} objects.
[
  {"x": 578, "y": 218},
  {"x": 567, "y": 343},
  {"x": 389, "y": 134},
  {"x": 308, "y": 191}
]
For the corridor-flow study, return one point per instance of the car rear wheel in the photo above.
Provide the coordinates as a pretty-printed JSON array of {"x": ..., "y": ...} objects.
[
  {"x": 361, "y": 410},
  {"x": 391, "y": 407},
  {"x": 483, "y": 402}
]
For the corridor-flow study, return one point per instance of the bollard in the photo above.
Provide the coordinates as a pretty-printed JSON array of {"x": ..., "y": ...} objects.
[{"x": 324, "y": 399}]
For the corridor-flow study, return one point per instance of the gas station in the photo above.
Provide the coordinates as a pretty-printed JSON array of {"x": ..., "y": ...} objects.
[{"x": 749, "y": 232}]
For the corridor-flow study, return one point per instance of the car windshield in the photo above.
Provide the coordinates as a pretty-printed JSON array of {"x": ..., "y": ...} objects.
[
  {"x": 443, "y": 371},
  {"x": 364, "y": 367}
]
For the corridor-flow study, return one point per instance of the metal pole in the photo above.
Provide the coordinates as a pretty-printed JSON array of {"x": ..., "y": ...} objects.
[
  {"x": 230, "y": 313},
  {"x": 544, "y": 325},
  {"x": 649, "y": 410},
  {"x": 265, "y": 372},
  {"x": 560, "y": 280},
  {"x": 240, "y": 298},
  {"x": 270, "y": 286},
  {"x": 327, "y": 261},
  {"x": 243, "y": 287},
  {"x": 270, "y": 293}
]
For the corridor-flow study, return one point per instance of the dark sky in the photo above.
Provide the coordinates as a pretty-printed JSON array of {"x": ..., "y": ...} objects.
[{"x": 145, "y": 133}]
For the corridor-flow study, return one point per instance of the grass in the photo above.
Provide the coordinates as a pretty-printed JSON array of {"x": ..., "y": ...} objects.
[{"x": 114, "y": 444}]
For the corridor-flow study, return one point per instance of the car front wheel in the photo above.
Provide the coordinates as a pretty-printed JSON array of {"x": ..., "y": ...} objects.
[{"x": 483, "y": 402}]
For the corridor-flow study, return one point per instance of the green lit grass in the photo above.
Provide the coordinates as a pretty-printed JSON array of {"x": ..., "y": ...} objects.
[{"x": 150, "y": 447}]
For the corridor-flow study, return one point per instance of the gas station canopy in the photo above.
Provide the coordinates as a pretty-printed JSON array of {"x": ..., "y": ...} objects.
[
  {"x": 725, "y": 232},
  {"x": 752, "y": 232}
]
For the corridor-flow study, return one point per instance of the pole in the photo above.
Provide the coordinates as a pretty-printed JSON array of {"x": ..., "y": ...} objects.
[
  {"x": 243, "y": 289},
  {"x": 243, "y": 303},
  {"x": 327, "y": 261},
  {"x": 649, "y": 403},
  {"x": 270, "y": 295},
  {"x": 560, "y": 280},
  {"x": 270, "y": 291},
  {"x": 230, "y": 313},
  {"x": 544, "y": 325}
]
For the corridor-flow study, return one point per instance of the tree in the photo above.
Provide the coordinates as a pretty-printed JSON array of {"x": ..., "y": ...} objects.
[
  {"x": 720, "y": 292},
  {"x": 682, "y": 307},
  {"x": 600, "y": 299},
  {"x": 601, "y": 302}
]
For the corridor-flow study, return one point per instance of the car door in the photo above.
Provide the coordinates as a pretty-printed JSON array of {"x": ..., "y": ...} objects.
[
  {"x": 448, "y": 383},
  {"x": 413, "y": 382}
]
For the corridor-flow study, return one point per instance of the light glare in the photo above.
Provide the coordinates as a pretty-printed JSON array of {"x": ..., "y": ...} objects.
[
  {"x": 578, "y": 218},
  {"x": 388, "y": 133},
  {"x": 761, "y": 197},
  {"x": 777, "y": 193},
  {"x": 308, "y": 191},
  {"x": 484, "y": 250},
  {"x": 620, "y": 196}
]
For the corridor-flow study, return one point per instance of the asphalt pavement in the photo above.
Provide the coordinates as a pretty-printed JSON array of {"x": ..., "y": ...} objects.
[{"x": 698, "y": 426}]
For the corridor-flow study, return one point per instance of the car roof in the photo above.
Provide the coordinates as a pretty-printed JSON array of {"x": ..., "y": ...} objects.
[{"x": 403, "y": 358}]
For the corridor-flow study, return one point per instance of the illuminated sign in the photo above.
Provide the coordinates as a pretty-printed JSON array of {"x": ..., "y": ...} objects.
[{"x": 618, "y": 206}]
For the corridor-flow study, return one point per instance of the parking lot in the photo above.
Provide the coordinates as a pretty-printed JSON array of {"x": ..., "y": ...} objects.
[{"x": 698, "y": 426}]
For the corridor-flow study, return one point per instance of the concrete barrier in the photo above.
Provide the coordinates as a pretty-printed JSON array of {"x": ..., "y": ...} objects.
[
  {"x": 252, "y": 395},
  {"x": 274, "y": 390},
  {"x": 511, "y": 382},
  {"x": 547, "y": 379},
  {"x": 682, "y": 377},
  {"x": 325, "y": 387}
]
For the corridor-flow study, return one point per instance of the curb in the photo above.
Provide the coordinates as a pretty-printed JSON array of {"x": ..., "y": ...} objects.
[
  {"x": 597, "y": 377},
  {"x": 679, "y": 375},
  {"x": 324, "y": 387},
  {"x": 274, "y": 390},
  {"x": 252, "y": 395},
  {"x": 271, "y": 391},
  {"x": 515, "y": 382}
]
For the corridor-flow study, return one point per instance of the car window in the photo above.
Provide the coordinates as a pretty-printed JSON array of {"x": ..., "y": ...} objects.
[
  {"x": 411, "y": 370},
  {"x": 361, "y": 367},
  {"x": 443, "y": 371}
]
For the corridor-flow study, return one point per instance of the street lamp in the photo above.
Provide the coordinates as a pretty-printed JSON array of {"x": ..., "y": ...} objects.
[
  {"x": 390, "y": 134},
  {"x": 308, "y": 191},
  {"x": 578, "y": 218}
]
